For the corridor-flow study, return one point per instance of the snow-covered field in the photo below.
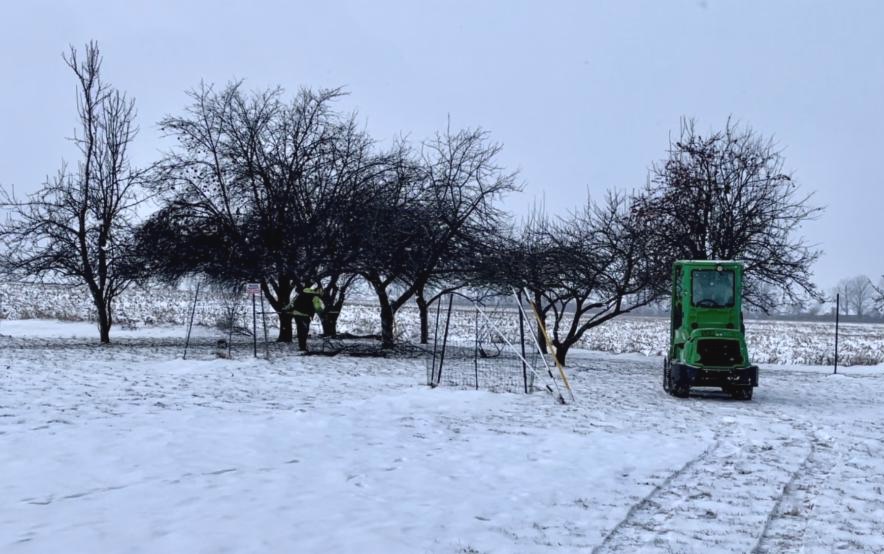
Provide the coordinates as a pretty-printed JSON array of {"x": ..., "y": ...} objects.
[
  {"x": 139, "y": 309},
  {"x": 128, "y": 448}
]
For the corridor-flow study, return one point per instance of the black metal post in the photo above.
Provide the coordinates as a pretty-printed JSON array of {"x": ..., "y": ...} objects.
[
  {"x": 232, "y": 322},
  {"x": 444, "y": 339},
  {"x": 264, "y": 323},
  {"x": 196, "y": 295},
  {"x": 476, "y": 350},
  {"x": 254, "y": 328},
  {"x": 837, "y": 312},
  {"x": 435, "y": 342},
  {"x": 522, "y": 343}
]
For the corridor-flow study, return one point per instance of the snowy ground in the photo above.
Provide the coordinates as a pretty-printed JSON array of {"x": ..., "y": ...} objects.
[{"x": 128, "y": 448}]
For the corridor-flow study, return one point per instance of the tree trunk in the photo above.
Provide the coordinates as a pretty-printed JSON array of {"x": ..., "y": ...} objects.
[
  {"x": 283, "y": 295},
  {"x": 104, "y": 327},
  {"x": 104, "y": 319},
  {"x": 562, "y": 352},
  {"x": 285, "y": 327},
  {"x": 387, "y": 319},
  {"x": 329, "y": 320},
  {"x": 541, "y": 340},
  {"x": 334, "y": 296},
  {"x": 388, "y": 316},
  {"x": 423, "y": 309},
  {"x": 388, "y": 307}
]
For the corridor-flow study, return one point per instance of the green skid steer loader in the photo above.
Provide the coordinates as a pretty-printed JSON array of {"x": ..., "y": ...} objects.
[{"x": 707, "y": 344}]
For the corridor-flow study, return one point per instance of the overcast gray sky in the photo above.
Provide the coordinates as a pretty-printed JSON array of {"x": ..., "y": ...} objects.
[{"x": 583, "y": 95}]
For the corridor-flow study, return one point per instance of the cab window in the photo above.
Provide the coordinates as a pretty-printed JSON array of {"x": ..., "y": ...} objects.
[{"x": 712, "y": 288}]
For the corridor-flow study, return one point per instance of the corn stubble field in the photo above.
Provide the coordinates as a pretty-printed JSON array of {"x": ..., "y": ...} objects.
[{"x": 770, "y": 341}]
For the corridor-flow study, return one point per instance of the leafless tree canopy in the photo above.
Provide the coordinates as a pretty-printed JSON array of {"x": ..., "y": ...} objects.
[
  {"x": 584, "y": 269},
  {"x": 728, "y": 196},
  {"x": 289, "y": 192},
  {"x": 857, "y": 295},
  {"x": 260, "y": 188},
  {"x": 78, "y": 226},
  {"x": 879, "y": 295},
  {"x": 428, "y": 210}
]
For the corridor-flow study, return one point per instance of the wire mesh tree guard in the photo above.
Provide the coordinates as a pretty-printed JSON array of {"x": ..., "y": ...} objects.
[{"x": 486, "y": 346}]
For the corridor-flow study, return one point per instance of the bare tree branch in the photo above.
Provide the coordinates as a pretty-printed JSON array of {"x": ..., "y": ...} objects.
[
  {"x": 728, "y": 196},
  {"x": 78, "y": 226}
]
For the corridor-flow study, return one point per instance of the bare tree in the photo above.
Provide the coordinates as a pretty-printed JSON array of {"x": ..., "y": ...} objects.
[
  {"x": 879, "y": 296},
  {"x": 270, "y": 184},
  {"x": 426, "y": 210},
  {"x": 583, "y": 270},
  {"x": 857, "y": 295},
  {"x": 728, "y": 196},
  {"x": 458, "y": 272},
  {"x": 608, "y": 267},
  {"x": 78, "y": 226},
  {"x": 393, "y": 229},
  {"x": 463, "y": 183},
  {"x": 335, "y": 288}
]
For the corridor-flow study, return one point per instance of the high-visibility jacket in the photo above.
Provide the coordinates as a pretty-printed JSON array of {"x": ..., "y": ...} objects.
[{"x": 307, "y": 303}]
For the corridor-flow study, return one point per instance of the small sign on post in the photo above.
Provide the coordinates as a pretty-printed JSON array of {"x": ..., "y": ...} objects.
[{"x": 253, "y": 289}]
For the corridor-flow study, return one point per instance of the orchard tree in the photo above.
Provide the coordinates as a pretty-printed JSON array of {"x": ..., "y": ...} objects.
[
  {"x": 78, "y": 227},
  {"x": 270, "y": 182},
  {"x": 426, "y": 208},
  {"x": 582, "y": 270},
  {"x": 727, "y": 195},
  {"x": 613, "y": 266},
  {"x": 463, "y": 183},
  {"x": 393, "y": 229},
  {"x": 590, "y": 267}
]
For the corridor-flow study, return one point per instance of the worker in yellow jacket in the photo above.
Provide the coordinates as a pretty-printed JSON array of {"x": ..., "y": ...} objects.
[{"x": 304, "y": 306}]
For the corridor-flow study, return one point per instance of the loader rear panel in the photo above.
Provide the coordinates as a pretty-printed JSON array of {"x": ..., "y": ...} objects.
[{"x": 690, "y": 376}]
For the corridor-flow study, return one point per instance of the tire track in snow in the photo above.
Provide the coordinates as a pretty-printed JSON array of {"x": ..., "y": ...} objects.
[
  {"x": 786, "y": 524},
  {"x": 833, "y": 504},
  {"x": 736, "y": 483},
  {"x": 643, "y": 502}
]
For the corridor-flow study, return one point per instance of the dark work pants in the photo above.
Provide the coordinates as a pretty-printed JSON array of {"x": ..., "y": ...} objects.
[{"x": 302, "y": 324}]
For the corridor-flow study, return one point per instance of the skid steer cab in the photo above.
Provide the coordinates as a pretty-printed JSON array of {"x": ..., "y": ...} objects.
[{"x": 707, "y": 345}]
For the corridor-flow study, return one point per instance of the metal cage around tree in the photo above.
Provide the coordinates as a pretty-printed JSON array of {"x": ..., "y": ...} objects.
[{"x": 498, "y": 353}]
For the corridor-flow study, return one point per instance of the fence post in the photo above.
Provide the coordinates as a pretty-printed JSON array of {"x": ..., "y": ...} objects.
[
  {"x": 432, "y": 380},
  {"x": 254, "y": 328},
  {"x": 445, "y": 339},
  {"x": 264, "y": 323},
  {"x": 196, "y": 295},
  {"x": 476, "y": 351},
  {"x": 837, "y": 312},
  {"x": 522, "y": 342},
  {"x": 231, "y": 322}
]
